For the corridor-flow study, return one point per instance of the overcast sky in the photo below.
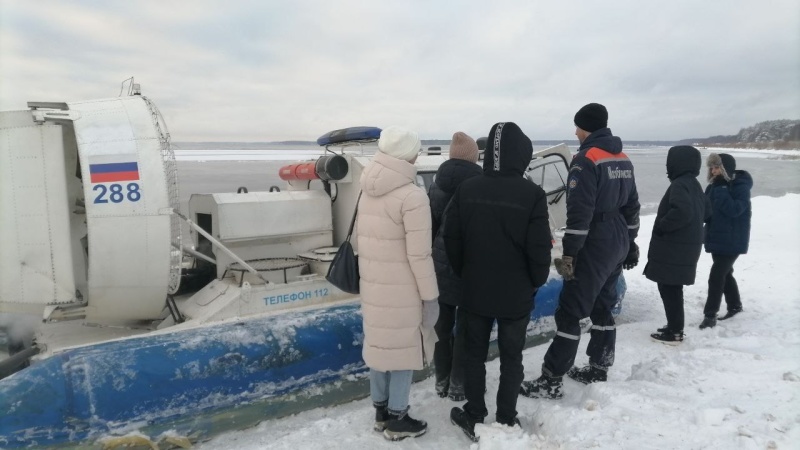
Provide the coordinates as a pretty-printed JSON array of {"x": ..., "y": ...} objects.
[{"x": 279, "y": 70}]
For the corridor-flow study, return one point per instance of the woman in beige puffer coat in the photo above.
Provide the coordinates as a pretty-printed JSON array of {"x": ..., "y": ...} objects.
[{"x": 398, "y": 282}]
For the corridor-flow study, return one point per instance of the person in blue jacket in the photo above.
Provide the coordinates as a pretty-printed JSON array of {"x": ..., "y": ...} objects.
[
  {"x": 727, "y": 233},
  {"x": 602, "y": 223}
]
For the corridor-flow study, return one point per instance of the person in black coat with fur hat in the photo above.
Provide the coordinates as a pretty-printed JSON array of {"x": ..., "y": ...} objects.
[
  {"x": 727, "y": 233},
  {"x": 677, "y": 238},
  {"x": 497, "y": 236},
  {"x": 448, "y": 354}
]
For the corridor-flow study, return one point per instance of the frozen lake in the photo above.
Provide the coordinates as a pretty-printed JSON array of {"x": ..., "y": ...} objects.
[{"x": 206, "y": 171}]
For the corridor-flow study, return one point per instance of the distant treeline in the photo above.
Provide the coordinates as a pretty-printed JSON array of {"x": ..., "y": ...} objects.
[
  {"x": 313, "y": 144},
  {"x": 777, "y": 134}
]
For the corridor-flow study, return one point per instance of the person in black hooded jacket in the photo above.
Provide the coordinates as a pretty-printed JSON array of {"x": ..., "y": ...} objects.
[
  {"x": 602, "y": 223},
  {"x": 498, "y": 240},
  {"x": 727, "y": 233},
  {"x": 677, "y": 237},
  {"x": 448, "y": 354}
]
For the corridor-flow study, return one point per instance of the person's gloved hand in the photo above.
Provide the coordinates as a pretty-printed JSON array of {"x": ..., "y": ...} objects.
[
  {"x": 719, "y": 180},
  {"x": 565, "y": 266},
  {"x": 430, "y": 313},
  {"x": 633, "y": 257}
]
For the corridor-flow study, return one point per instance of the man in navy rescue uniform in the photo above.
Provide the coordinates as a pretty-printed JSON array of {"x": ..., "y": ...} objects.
[{"x": 602, "y": 223}]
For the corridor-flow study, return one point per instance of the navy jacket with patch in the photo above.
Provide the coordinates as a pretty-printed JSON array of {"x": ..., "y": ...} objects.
[
  {"x": 601, "y": 192},
  {"x": 728, "y": 230}
]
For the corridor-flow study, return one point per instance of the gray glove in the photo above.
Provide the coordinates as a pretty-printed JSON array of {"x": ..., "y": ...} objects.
[
  {"x": 430, "y": 313},
  {"x": 565, "y": 266}
]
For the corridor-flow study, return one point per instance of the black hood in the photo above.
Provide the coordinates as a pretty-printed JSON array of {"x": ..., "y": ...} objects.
[
  {"x": 453, "y": 171},
  {"x": 728, "y": 162},
  {"x": 508, "y": 150},
  {"x": 603, "y": 139},
  {"x": 743, "y": 177},
  {"x": 683, "y": 159}
]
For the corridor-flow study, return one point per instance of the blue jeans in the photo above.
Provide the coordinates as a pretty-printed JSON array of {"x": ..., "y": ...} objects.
[{"x": 391, "y": 388}]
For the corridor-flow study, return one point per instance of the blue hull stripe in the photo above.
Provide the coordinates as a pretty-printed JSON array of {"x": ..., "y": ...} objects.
[{"x": 85, "y": 393}]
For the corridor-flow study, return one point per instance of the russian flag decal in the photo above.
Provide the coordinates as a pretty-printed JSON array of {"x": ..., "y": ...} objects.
[{"x": 111, "y": 172}]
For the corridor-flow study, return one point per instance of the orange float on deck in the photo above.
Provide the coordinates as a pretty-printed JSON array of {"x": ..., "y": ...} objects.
[{"x": 299, "y": 171}]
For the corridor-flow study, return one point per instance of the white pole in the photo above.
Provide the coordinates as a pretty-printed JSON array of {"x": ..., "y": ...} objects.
[{"x": 219, "y": 245}]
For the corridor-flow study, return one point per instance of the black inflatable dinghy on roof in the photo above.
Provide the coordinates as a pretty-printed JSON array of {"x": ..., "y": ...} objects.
[{"x": 349, "y": 134}]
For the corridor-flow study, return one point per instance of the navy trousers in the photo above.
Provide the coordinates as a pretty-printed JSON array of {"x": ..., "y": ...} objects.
[{"x": 593, "y": 294}]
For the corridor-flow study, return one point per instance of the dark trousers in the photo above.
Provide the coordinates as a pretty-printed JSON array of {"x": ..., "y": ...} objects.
[
  {"x": 672, "y": 297},
  {"x": 593, "y": 293},
  {"x": 448, "y": 354},
  {"x": 510, "y": 341},
  {"x": 721, "y": 281}
]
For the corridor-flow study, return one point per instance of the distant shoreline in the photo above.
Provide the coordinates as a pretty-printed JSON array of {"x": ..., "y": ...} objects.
[{"x": 427, "y": 143}]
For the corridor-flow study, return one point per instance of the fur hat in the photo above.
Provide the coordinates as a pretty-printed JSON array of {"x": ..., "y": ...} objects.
[
  {"x": 463, "y": 147},
  {"x": 399, "y": 143},
  {"x": 592, "y": 117},
  {"x": 725, "y": 162}
]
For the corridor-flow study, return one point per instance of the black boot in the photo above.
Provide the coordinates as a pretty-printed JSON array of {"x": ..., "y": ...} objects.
[
  {"x": 463, "y": 420},
  {"x": 442, "y": 387},
  {"x": 663, "y": 329},
  {"x": 668, "y": 337},
  {"x": 456, "y": 392},
  {"x": 588, "y": 374},
  {"x": 708, "y": 322},
  {"x": 509, "y": 423},
  {"x": 542, "y": 387},
  {"x": 731, "y": 313},
  {"x": 402, "y": 426},
  {"x": 381, "y": 417}
]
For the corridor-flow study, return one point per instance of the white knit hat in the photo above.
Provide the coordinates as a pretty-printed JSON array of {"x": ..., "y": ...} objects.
[{"x": 399, "y": 143}]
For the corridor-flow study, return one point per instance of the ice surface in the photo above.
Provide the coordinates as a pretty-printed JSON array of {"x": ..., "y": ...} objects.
[{"x": 733, "y": 386}]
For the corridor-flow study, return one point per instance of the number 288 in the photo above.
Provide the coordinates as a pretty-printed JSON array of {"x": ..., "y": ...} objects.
[{"x": 116, "y": 193}]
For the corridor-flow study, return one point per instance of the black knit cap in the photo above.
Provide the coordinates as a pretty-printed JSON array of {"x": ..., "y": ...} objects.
[{"x": 592, "y": 117}]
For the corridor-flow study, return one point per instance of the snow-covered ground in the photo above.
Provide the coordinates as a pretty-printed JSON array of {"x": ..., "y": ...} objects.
[{"x": 736, "y": 386}]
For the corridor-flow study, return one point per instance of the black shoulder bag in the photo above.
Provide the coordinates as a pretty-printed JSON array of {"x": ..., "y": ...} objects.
[{"x": 343, "y": 271}]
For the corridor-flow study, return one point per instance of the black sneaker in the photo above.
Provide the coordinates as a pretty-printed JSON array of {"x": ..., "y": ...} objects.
[
  {"x": 668, "y": 337},
  {"x": 456, "y": 392},
  {"x": 587, "y": 374},
  {"x": 381, "y": 418},
  {"x": 462, "y": 419},
  {"x": 731, "y": 313},
  {"x": 542, "y": 387},
  {"x": 708, "y": 322},
  {"x": 403, "y": 426},
  {"x": 442, "y": 387}
]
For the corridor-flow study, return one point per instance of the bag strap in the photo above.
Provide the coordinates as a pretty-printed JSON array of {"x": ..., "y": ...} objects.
[{"x": 353, "y": 222}]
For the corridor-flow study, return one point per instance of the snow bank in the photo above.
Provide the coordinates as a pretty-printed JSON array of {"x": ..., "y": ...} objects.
[{"x": 733, "y": 386}]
